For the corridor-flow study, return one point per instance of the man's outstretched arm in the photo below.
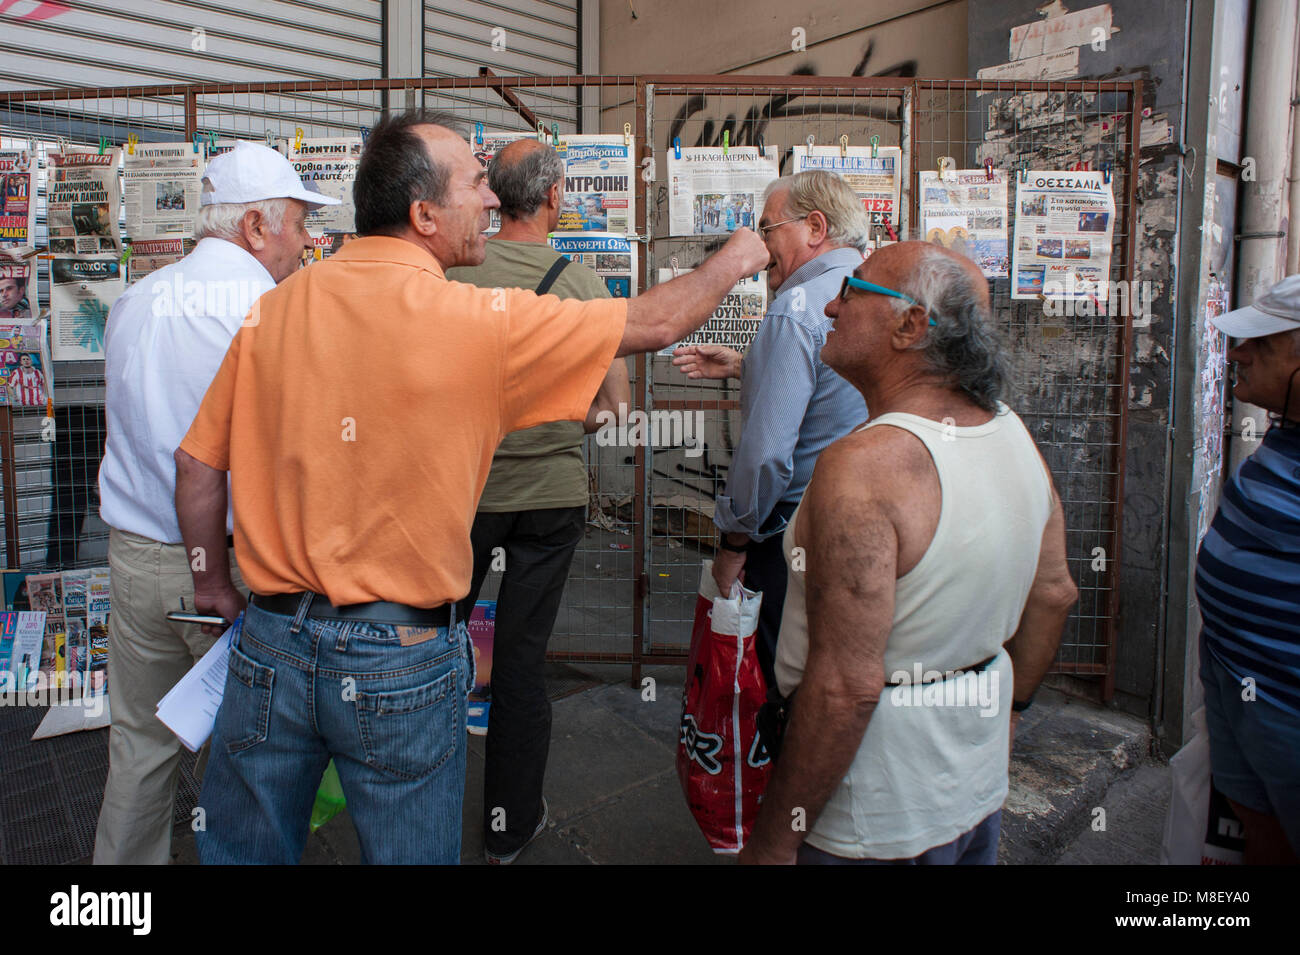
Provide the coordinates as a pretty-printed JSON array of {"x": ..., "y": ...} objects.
[
  {"x": 670, "y": 311},
  {"x": 201, "y": 511}
]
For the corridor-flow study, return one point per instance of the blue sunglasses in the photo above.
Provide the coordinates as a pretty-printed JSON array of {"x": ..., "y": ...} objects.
[{"x": 851, "y": 282}]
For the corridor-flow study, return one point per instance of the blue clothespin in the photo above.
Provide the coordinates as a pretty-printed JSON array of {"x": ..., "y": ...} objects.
[
  {"x": 212, "y": 140},
  {"x": 365, "y": 134},
  {"x": 677, "y": 147},
  {"x": 198, "y": 141},
  {"x": 1106, "y": 168},
  {"x": 555, "y": 134},
  {"x": 478, "y": 133}
]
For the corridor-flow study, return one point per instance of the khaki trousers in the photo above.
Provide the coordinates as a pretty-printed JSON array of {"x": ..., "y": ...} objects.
[{"x": 147, "y": 655}]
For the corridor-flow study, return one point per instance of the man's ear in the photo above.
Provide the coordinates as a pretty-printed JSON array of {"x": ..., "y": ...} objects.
[
  {"x": 255, "y": 230},
  {"x": 818, "y": 227},
  {"x": 422, "y": 217},
  {"x": 555, "y": 195},
  {"x": 910, "y": 327}
]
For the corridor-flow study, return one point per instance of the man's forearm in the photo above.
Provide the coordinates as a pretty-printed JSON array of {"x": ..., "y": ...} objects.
[
  {"x": 1033, "y": 648},
  {"x": 201, "y": 512},
  {"x": 669, "y": 312},
  {"x": 821, "y": 740}
]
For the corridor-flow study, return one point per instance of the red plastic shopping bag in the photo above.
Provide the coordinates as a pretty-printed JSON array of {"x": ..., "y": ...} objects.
[{"x": 720, "y": 759}]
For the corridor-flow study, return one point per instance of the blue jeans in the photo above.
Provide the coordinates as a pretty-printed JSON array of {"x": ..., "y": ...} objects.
[{"x": 392, "y": 718}]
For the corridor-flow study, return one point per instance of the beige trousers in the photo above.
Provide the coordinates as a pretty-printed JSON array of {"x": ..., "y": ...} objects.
[{"x": 147, "y": 655}]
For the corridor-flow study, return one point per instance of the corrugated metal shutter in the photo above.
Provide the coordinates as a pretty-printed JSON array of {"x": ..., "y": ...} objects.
[
  {"x": 532, "y": 37},
  {"x": 130, "y": 42}
]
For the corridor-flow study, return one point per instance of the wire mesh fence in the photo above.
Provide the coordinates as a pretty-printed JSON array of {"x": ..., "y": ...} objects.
[{"x": 631, "y": 590}]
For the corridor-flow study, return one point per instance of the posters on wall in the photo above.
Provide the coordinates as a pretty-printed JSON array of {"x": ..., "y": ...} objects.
[
  {"x": 330, "y": 167},
  {"x": 82, "y": 290},
  {"x": 1213, "y": 403},
  {"x": 598, "y": 183},
  {"x": 966, "y": 211},
  {"x": 735, "y": 321},
  {"x": 712, "y": 192},
  {"x": 1063, "y": 223},
  {"x": 610, "y": 256},
  {"x": 83, "y": 196},
  {"x": 161, "y": 184},
  {"x": 22, "y": 370},
  {"x": 876, "y": 179}
]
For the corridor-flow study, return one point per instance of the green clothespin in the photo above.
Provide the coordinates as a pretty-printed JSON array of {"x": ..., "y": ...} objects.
[
  {"x": 875, "y": 146},
  {"x": 103, "y": 144},
  {"x": 126, "y": 254},
  {"x": 726, "y": 140},
  {"x": 212, "y": 140},
  {"x": 555, "y": 134}
]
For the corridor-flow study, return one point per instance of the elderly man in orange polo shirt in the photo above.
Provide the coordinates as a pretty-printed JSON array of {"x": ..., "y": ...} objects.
[{"x": 353, "y": 497}]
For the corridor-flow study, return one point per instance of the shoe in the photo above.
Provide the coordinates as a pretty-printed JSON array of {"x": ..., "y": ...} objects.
[{"x": 495, "y": 859}]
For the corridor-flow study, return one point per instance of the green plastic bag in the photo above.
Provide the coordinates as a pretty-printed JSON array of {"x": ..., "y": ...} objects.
[{"x": 329, "y": 798}]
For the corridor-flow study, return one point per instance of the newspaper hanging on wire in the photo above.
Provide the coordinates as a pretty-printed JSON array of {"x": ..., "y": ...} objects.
[
  {"x": 82, "y": 290},
  {"x": 83, "y": 197},
  {"x": 876, "y": 179},
  {"x": 965, "y": 210},
  {"x": 735, "y": 321},
  {"x": 17, "y": 233},
  {"x": 1062, "y": 236},
  {"x": 712, "y": 192},
  {"x": 610, "y": 256},
  {"x": 18, "y": 196},
  {"x": 330, "y": 167},
  {"x": 599, "y": 179},
  {"x": 161, "y": 184}
]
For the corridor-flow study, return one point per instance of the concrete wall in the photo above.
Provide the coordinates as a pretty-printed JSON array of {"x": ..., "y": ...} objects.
[{"x": 877, "y": 38}]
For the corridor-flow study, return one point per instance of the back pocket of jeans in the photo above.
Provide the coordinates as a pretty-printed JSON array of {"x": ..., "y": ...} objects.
[
  {"x": 245, "y": 713},
  {"x": 411, "y": 733}
]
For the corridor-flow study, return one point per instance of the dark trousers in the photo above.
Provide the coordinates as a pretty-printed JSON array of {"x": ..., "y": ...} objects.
[
  {"x": 79, "y": 432},
  {"x": 978, "y": 846},
  {"x": 765, "y": 570},
  {"x": 539, "y": 547}
]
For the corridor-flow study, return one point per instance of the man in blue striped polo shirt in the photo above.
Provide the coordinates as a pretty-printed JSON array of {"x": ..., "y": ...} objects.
[
  {"x": 792, "y": 404},
  {"x": 1248, "y": 588}
]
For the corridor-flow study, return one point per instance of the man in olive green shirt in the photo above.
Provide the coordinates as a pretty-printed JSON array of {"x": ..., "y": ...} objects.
[{"x": 533, "y": 505}]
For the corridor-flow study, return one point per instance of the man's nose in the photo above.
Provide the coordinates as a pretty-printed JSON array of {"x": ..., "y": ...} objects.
[{"x": 490, "y": 200}]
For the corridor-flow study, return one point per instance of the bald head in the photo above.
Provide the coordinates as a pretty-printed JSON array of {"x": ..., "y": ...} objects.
[
  {"x": 903, "y": 262},
  {"x": 523, "y": 175}
]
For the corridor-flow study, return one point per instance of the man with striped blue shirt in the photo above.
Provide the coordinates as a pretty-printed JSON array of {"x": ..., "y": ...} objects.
[
  {"x": 792, "y": 404},
  {"x": 1248, "y": 588}
]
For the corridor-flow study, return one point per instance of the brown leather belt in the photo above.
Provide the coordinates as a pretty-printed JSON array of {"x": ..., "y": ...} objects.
[{"x": 377, "y": 611}]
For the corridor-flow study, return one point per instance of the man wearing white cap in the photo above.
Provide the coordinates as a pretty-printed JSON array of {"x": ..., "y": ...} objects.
[
  {"x": 166, "y": 337},
  {"x": 1248, "y": 589}
]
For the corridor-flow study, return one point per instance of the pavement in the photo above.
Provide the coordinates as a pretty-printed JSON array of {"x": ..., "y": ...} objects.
[{"x": 614, "y": 796}]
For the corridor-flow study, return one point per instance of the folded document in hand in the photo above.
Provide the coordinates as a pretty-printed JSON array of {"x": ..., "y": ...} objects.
[{"x": 190, "y": 707}]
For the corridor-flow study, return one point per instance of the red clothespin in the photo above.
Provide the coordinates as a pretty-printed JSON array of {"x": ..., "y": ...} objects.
[{"x": 988, "y": 170}]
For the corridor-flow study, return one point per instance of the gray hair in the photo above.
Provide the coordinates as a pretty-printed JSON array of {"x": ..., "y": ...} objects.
[
  {"x": 961, "y": 346},
  {"x": 816, "y": 190},
  {"x": 522, "y": 185},
  {"x": 221, "y": 219}
]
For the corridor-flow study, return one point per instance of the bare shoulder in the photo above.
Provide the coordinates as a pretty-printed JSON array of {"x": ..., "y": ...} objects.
[{"x": 875, "y": 460}]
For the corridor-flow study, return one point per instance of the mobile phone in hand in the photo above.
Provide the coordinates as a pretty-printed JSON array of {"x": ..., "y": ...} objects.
[{"x": 202, "y": 619}]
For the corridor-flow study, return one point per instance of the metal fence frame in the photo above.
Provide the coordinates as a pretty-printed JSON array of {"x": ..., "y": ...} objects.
[{"x": 23, "y": 110}]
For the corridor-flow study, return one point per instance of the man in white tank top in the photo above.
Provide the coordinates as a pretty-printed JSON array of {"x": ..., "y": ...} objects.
[{"x": 928, "y": 585}]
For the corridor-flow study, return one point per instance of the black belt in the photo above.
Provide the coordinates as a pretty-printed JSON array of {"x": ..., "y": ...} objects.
[
  {"x": 377, "y": 611},
  {"x": 975, "y": 668},
  {"x": 230, "y": 542}
]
